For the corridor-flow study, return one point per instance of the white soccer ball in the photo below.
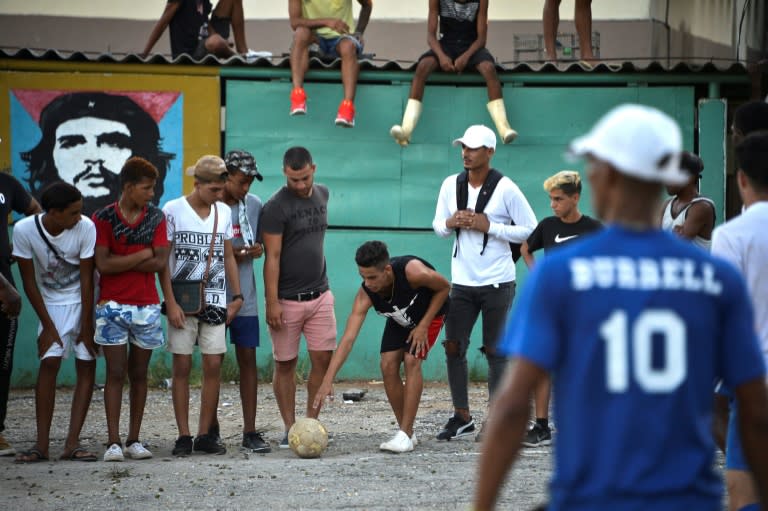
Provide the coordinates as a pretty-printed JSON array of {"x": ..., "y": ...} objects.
[{"x": 308, "y": 438}]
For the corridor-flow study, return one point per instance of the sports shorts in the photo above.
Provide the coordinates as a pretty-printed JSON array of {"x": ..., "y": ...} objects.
[
  {"x": 395, "y": 336},
  {"x": 244, "y": 331}
]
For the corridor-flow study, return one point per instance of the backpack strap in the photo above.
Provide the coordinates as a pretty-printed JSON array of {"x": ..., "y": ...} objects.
[{"x": 462, "y": 193}]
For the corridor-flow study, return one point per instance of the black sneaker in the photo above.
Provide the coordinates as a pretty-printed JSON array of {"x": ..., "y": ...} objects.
[
  {"x": 537, "y": 436},
  {"x": 284, "y": 442},
  {"x": 255, "y": 442},
  {"x": 207, "y": 444},
  {"x": 183, "y": 446},
  {"x": 456, "y": 427},
  {"x": 215, "y": 433}
]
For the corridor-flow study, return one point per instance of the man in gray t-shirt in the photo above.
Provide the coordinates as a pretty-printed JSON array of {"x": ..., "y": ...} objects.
[
  {"x": 293, "y": 225},
  {"x": 246, "y": 245}
]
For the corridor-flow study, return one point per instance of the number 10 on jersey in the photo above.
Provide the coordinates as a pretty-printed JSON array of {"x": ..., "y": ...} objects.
[{"x": 620, "y": 337}]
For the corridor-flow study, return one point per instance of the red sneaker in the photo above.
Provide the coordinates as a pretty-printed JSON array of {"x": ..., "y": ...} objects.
[
  {"x": 298, "y": 101},
  {"x": 346, "y": 114}
]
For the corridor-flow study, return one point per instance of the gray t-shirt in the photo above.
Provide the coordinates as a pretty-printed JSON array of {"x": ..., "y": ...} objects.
[
  {"x": 245, "y": 268},
  {"x": 302, "y": 222}
]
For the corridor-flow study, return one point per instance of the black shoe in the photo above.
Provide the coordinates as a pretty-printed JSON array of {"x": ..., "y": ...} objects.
[
  {"x": 214, "y": 433},
  {"x": 456, "y": 427},
  {"x": 207, "y": 444},
  {"x": 538, "y": 436},
  {"x": 183, "y": 446},
  {"x": 255, "y": 442}
]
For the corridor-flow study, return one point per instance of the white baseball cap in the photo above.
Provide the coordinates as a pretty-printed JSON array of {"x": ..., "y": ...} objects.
[
  {"x": 638, "y": 141},
  {"x": 477, "y": 136}
]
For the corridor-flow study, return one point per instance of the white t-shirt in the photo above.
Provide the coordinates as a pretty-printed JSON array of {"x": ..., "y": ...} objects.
[
  {"x": 743, "y": 242},
  {"x": 191, "y": 239},
  {"x": 57, "y": 279},
  {"x": 495, "y": 265}
]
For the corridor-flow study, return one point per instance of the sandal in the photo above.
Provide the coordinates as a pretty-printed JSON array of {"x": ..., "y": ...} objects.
[
  {"x": 79, "y": 454},
  {"x": 33, "y": 455}
]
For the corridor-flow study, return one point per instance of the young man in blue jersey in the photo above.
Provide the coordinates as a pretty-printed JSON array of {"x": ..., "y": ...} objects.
[{"x": 635, "y": 326}]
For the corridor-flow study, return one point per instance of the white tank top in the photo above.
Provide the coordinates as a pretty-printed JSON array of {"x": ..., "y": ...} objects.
[{"x": 669, "y": 222}]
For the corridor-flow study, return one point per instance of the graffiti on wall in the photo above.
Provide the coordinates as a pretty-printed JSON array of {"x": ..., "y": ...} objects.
[{"x": 85, "y": 137}]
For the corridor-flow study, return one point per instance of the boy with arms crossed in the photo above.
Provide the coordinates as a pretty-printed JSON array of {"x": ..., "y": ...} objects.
[{"x": 131, "y": 246}]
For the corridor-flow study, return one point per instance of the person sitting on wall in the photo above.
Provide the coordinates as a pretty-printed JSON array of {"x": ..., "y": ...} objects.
[
  {"x": 327, "y": 23},
  {"x": 463, "y": 27},
  {"x": 192, "y": 32}
]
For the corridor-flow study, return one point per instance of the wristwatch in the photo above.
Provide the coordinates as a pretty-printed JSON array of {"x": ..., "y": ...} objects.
[{"x": 235, "y": 297}]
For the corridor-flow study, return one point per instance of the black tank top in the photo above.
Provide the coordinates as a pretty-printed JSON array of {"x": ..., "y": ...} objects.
[
  {"x": 458, "y": 21},
  {"x": 407, "y": 305}
]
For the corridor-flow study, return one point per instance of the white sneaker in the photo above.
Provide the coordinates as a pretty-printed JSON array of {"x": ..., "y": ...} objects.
[
  {"x": 114, "y": 453},
  {"x": 252, "y": 55},
  {"x": 399, "y": 443},
  {"x": 136, "y": 451}
]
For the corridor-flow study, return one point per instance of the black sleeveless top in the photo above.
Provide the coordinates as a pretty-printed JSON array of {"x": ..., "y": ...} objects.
[
  {"x": 458, "y": 21},
  {"x": 407, "y": 305}
]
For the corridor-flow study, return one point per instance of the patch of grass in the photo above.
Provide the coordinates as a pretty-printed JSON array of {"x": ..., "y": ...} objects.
[
  {"x": 158, "y": 372},
  {"x": 478, "y": 370},
  {"x": 268, "y": 372},
  {"x": 230, "y": 371},
  {"x": 302, "y": 370}
]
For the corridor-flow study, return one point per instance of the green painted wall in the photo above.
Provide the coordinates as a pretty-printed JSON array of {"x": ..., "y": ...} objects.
[
  {"x": 381, "y": 191},
  {"x": 375, "y": 183}
]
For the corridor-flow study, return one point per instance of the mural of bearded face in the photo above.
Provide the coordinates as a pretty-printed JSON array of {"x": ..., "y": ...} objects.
[
  {"x": 86, "y": 137},
  {"x": 89, "y": 153}
]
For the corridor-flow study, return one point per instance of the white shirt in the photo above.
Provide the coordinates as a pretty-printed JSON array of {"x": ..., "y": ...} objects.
[
  {"x": 743, "y": 242},
  {"x": 191, "y": 239},
  {"x": 58, "y": 280},
  {"x": 507, "y": 203}
]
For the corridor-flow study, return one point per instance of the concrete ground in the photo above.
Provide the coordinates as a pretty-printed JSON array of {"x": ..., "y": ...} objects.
[{"x": 351, "y": 474}]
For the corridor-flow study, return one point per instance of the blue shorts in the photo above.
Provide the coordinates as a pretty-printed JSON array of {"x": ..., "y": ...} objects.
[
  {"x": 117, "y": 324},
  {"x": 244, "y": 331},
  {"x": 328, "y": 46}
]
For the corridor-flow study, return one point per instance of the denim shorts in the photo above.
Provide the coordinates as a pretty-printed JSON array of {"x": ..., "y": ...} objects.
[
  {"x": 328, "y": 46},
  {"x": 118, "y": 324}
]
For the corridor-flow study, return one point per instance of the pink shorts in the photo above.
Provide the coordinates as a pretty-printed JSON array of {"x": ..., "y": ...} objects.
[{"x": 315, "y": 319}]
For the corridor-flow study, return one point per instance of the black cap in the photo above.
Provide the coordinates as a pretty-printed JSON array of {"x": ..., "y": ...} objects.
[{"x": 243, "y": 161}]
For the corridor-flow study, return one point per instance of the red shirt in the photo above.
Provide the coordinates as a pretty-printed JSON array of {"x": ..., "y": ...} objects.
[{"x": 121, "y": 238}]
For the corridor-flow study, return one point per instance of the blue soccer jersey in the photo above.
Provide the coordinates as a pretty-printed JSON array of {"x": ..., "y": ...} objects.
[{"x": 635, "y": 327}]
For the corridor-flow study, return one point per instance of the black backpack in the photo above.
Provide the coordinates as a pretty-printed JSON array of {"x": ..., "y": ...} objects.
[{"x": 462, "y": 191}]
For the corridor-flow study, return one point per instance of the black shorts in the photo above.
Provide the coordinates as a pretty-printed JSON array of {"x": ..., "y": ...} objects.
[
  {"x": 395, "y": 336},
  {"x": 454, "y": 51}
]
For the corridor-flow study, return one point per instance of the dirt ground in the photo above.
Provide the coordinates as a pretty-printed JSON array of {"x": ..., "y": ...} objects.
[{"x": 351, "y": 474}]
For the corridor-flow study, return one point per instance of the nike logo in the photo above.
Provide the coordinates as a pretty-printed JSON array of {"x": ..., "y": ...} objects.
[{"x": 558, "y": 239}]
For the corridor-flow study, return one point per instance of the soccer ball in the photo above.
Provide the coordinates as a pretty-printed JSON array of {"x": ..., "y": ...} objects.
[{"x": 308, "y": 438}]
